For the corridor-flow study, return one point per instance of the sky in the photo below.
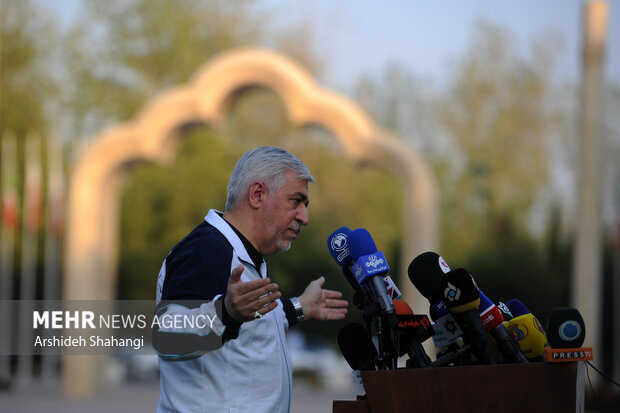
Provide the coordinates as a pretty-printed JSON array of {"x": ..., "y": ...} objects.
[{"x": 427, "y": 37}]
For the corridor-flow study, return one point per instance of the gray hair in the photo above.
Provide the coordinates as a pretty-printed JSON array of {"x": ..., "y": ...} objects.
[{"x": 266, "y": 164}]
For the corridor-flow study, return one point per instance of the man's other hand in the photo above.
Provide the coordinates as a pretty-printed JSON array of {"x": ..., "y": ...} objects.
[
  {"x": 322, "y": 304},
  {"x": 245, "y": 300}
]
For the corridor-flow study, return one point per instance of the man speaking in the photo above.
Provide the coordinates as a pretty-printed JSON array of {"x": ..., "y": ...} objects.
[{"x": 221, "y": 263}]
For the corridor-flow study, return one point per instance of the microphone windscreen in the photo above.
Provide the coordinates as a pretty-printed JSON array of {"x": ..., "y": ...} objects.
[
  {"x": 459, "y": 291},
  {"x": 361, "y": 243},
  {"x": 425, "y": 272},
  {"x": 357, "y": 347},
  {"x": 529, "y": 335},
  {"x": 402, "y": 308},
  {"x": 565, "y": 328},
  {"x": 517, "y": 308},
  {"x": 338, "y": 246}
]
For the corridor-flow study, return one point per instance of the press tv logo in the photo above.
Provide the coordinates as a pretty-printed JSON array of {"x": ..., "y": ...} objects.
[{"x": 560, "y": 355}]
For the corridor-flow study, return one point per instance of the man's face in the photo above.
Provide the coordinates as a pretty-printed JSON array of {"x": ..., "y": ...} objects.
[{"x": 283, "y": 215}]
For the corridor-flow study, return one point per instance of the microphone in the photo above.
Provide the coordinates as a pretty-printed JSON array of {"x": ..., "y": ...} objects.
[
  {"x": 566, "y": 332},
  {"x": 529, "y": 335},
  {"x": 338, "y": 246},
  {"x": 369, "y": 268},
  {"x": 462, "y": 298},
  {"x": 492, "y": 320},
  {"x": 357, "y": 347},
  {"x": 411, "y": 330},
  {"x": 425, "y": 272},
  {"x": 526, "y": 330},
  {"x": 565, "y": 328},
  {"x": 517, "y": 308},
  {"x": 447, "y": 330},
  {"x": 358, "y": 350}
]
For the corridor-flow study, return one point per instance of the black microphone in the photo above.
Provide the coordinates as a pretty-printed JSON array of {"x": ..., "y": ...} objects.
[
  {"x": 425, "y": 272},
  {"x": 565, "y": 328},
  {"x": 462, "y": 298},
  {"x": 357, "y": 347}
]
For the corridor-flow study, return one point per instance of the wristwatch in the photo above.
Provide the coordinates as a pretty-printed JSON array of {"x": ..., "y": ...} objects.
[{"x": 299, "y": 311}]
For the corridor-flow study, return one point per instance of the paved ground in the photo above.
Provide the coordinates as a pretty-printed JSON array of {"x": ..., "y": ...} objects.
[{"x": 137, "y": 398}]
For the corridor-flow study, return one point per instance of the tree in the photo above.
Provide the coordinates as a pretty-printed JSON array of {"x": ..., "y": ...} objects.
[
  {"x": 499, "y": 116},
  {"x": 125, "y": 52},
  {"x": 27, "y": 37},
  {"x": 489, "y": 137}
]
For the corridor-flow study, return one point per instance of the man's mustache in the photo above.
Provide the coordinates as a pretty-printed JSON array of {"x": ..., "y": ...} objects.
[{"x": 295, "y": 227}]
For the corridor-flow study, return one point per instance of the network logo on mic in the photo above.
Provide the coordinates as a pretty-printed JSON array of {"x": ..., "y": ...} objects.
[
  {"x": 370, "y": 265},
  {"x": 569, "y": 330},
  {"x": 374, "y": 262},
  {"x": 520, "y": 331},
  {"x": 443, "y": 265},
  {"x": 452, "y": 293},
  {"x": 339, "y": 244}
]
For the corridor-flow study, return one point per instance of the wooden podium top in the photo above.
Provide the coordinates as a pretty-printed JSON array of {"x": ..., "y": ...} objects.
[{"x": 502, "y": 388}]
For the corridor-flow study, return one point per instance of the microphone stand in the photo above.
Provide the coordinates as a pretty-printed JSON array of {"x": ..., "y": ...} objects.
[{"x": 371, "y": 311}]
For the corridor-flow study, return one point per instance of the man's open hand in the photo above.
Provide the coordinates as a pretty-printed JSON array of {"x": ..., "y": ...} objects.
[
  {"x": 244, "y": 299},
  {"x": 322, "y": 304}
]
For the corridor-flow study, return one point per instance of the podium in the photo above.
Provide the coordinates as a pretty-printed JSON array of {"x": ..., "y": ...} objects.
[{"x": 506, "y": 388}]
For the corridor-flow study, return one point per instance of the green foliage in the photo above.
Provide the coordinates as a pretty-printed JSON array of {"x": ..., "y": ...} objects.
[
  {"x": 25, "y": 82},
  {"x": 488, "y": 137},
  {"x": 162, "y": 204},
  {"x": 125, "y": 52},
  {"x": 536, "y": 273},
  {"x": 499, "y": 116}
]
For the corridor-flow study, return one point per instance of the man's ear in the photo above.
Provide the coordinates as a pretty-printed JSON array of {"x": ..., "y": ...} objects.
[{"x": 257, "y": 192}]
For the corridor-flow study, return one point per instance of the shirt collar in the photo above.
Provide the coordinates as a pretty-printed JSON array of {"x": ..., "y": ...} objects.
[
  {"x": 256, "y": 257},
  {"x": 245, "y": 249}
]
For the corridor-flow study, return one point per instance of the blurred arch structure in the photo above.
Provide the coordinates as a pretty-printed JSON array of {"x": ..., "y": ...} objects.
[{"x": 92, "y": 247}]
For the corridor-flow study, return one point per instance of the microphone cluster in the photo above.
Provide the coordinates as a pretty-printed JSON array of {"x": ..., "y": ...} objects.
[{"x": 467, "y": 327}]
